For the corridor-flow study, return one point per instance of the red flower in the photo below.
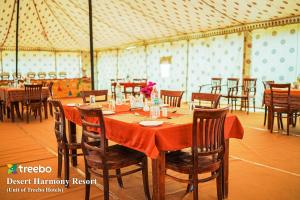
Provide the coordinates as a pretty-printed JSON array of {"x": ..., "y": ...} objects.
[{"x": 148, "y": 89}]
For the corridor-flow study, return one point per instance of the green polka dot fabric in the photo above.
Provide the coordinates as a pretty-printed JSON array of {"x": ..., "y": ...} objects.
[{"x": 275, "y": 55}]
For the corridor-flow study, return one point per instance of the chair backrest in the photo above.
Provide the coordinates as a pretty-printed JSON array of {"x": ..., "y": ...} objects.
[
  {"x": 59, "y": 121},
  {"x": 139, "y": 80},
  {"x": 52, "y": 74},
  {"x": 42, "y": 75},
  {"x": 4, "y": 76},
  {"x": 171, "y": 97},
  {"x": 31, "y": 75},
  {"x": 213, "y": 99},
  {"x": 216, "y": 85},
  {"x": 33, "y": 92},
  {"x": 90, "y": 132},
  {"x": 233, "y": 86},
  {"x": 249, "y": 86},
  {"x": 267, "y": 84},
  {"x": 208, "y": 133},
  {"x": 98, "y": 93},
  {"x": 280, "y": 95}
]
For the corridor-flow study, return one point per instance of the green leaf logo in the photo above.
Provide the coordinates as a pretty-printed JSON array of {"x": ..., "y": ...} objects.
[{"x": 12, "y": 169}]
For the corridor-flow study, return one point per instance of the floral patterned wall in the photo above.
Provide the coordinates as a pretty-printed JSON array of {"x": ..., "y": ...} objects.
[
  {"x": 70, "y": 63},
  {"x": 106, "y": 69},
  {"x": 42, "y": 61},
  {"x": 275, "y": 55},
  {"x": 132, "y": 63}
]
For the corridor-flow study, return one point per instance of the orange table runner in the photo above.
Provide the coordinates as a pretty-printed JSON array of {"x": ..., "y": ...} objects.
[{"x": 174, "y": 134}]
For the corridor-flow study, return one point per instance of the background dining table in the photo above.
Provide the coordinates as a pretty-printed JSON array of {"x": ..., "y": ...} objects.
[
  {"x": 12, "y": 96},
  {"x": 294, "y": 102},
  {"x": 174, "y": 134}
]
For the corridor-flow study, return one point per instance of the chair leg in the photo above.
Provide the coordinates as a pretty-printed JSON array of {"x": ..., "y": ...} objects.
[
  {"x": 119, "y": 178},
  {"x": 1, "y": 112},
  {"x": 278, "y": 121},
  {"x": 219, "y": 181},
  {"x": 40, "y": 113},
  {"x": 59, "y": 162},
  {"x": 145, "y": 178},
  {"x": 288, "y": 123},
  {"x": 272, "y": 122},
  {"x": 189, "y": 187},
  {"x": 254, "y": 104},
  {"x": 27, "y": 113},
  {"x": 87, "y": 186},
  {"x": 195, "y": 186},
  {"x": 106, "y": 184},
  {"x": 51, "y": 109},
  {"x": 281, "y": 123},
  {"x": 67, "y": 167},
  {"x": 265, "y": 118}
]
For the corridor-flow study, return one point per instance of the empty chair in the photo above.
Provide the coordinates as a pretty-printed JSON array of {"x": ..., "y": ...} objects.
[
  {"x": 281, "y": 104},
  {"x": 4, "y": 75},
  {"x": 232, "y": 90},
  {"x": 33, "y": 101},
  {"x": 99, "y": 159},
  {"x": 266, "y": 86},
  {"x": 62, "y": 74},
  {"x": 247, "y": 93},
  {"x": 171, "y": 97},
  {"x": 214, "y": 87},
  {"x": 212, "y": 100},
  {"x": 31, "y": 75},
  {"x": 52, "y": 74},
  {"x": 42, "y": 75},
  {"x": 206, "y": 153},
  {"x": 100, "y": 95}
]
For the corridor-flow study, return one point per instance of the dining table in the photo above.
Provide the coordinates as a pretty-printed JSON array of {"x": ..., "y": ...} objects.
[
  {"x": 11, "y": 96},
  {"x": 175, "y": 133},
  {"x": 128, "y": 87},
  {"x": 294, "y": 102}
]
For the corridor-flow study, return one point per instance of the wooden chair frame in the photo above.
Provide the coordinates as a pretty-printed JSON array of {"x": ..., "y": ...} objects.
[{"x": 171, "y": 97}]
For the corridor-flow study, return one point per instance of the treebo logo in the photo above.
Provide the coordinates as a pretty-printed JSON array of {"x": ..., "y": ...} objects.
[{"x": 12, "y": 169}]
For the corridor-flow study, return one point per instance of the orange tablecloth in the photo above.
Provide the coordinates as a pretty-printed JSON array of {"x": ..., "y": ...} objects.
[
  {"x": 295, "y": 97},
  {"x": 17, "y": 94},
  {"x": 151, "y": 140}
]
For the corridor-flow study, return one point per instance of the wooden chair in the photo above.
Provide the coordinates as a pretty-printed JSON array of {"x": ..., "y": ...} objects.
[
  {"x": 213, "y": 99},
  {"x": 266, "y": 86},
  {"x": 52, "y": 75},
  {"x": 33, "y": 101},
  {"x": 281, "y": 104},
  {"x": 232, "y": 91},
  {"x": 4, "y": 76},
  {"x": 62, "y": 74},
  {"x": 206, "y": 153},
  {"x": 98, "y": 93},
  {"x": 31, "y": 75},
  {"x": 42, "y": 75},
  {"x": 248, "y": 92},
  {"x": 215, "y": 86},
  {"x": 99, "y": 159},
  {"x": 171, "y": 97}
]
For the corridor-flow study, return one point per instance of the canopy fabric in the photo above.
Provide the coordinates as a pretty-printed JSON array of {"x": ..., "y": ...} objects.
[{"x": 63, "y": 24}]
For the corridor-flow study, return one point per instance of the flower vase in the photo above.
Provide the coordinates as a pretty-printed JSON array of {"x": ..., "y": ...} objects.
[{"x": 146, "y": 107}]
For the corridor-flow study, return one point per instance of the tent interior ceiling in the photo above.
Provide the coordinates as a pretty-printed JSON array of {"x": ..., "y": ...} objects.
[{"x": 63, "y": 24}]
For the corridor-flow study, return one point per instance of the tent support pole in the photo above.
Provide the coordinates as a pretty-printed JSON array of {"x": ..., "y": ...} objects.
[
  {"x": 91, "y": 43},
  {"x": 17, "y": 37}
]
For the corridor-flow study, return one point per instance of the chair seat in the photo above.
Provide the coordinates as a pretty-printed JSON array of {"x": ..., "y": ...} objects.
[
  {"x": 117, "y": 157},
  {"x": 181, "y": 161}
]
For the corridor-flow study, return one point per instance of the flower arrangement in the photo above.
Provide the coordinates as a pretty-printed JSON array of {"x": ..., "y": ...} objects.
[{"x": 148, "y": 89}]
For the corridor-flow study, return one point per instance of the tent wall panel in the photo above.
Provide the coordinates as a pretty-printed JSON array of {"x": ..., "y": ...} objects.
[{"x": 275, "y": 55}]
